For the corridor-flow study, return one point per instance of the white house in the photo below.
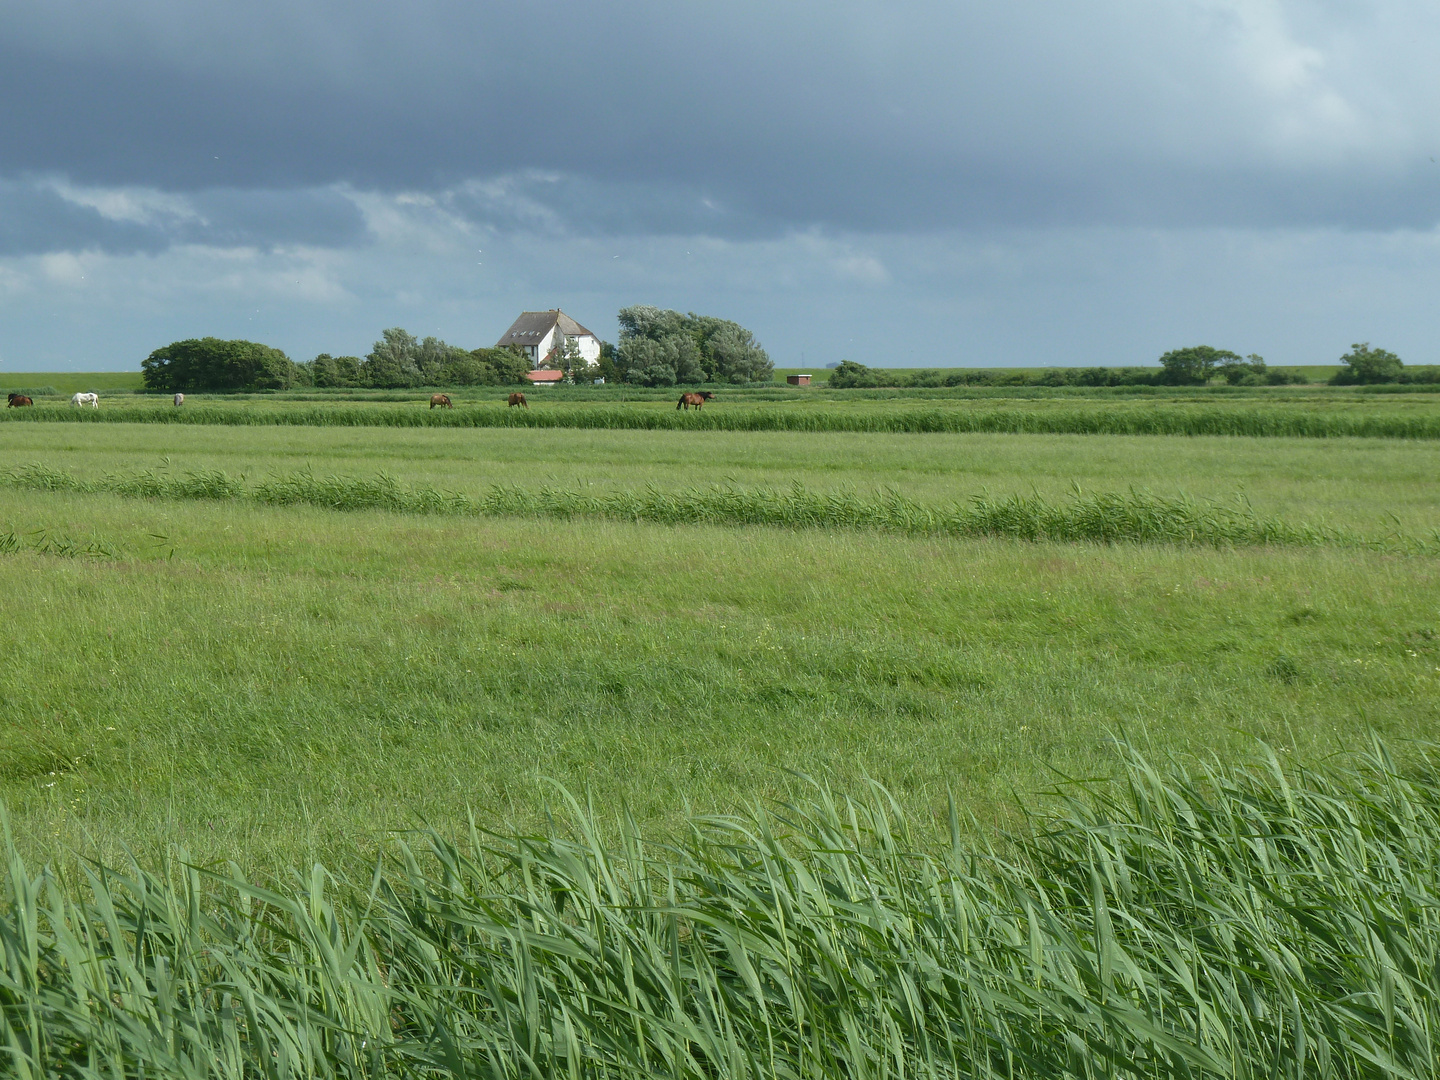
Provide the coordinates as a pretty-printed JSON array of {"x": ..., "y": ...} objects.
[{"x": 541, "y": 333}]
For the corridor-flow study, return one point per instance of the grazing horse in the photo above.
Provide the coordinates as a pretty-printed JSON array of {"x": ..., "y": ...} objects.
[
  {"x": 441, "y": 401},
  {"x": 698, "y": 400},
  {"x": 179, "y": 400},
  {"x": 93, "y": 400},
  {"x": 18, "y": 401},
  {"x": 518, "y": 399}
]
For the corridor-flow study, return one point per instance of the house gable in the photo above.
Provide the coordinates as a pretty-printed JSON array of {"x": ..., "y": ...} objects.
[{"x": 537, "y": 332}]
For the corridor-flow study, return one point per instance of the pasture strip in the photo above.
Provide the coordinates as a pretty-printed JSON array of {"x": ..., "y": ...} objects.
[
  {"x": 1104, "y": 517},
  {"x": 1103, "y": 418},
  {"x": 1246, "y": 923}
]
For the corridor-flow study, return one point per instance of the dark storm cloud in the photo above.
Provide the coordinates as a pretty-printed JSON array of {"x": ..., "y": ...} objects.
[{"x": 745, "y": 117}]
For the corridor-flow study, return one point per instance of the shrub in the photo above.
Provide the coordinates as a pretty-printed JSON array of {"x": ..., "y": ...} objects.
[
  {"x": 1248, "y": 372},
  {"x": 197, "y": 364},
  {"x": 1427, "y": 375}
]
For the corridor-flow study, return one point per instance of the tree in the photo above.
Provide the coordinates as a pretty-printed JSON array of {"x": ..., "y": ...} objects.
[
  {"x": 336, "y": 371},
  {"x": 606, "y": 368},
  {"x": 1367, "y": 365},
  {"x": 1193, "y": 365},
  {"x": 567, "y": 357},
  {"x": 1248, "y": 372},
  {"x": 391, "y": 360},
  {"x": 437, "y": 362},
  {"x": 659, "y": 347},
  {"x": 464, "y": 369},
  {"x": 511, "y": 364},
  {"x": 730, "y": 353},
  {"x": 198, "y": 364}
]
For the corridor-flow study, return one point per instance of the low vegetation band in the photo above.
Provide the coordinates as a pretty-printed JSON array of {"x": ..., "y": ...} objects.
[
  {"x": 1264, "y": 923},
  {"x": 1158, "y": 420},
  {"x": 1105, "y": 517}
]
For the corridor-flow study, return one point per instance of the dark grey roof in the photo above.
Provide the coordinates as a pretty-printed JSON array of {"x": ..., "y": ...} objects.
[{"x": 532, "y": 326}]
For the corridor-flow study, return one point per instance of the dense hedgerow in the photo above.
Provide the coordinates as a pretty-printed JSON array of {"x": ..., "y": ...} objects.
[
  {"x": 1268, "y": 923},
  {"x": 1100, "y": 419},
  {"x": 1106, "y": 517},
  {"x": 1178, "y": 369}
]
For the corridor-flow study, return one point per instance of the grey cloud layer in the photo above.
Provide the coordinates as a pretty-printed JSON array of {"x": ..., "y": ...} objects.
[
  {"x": 42, "y": 215},
  {"x": 744, "y": 117},
  {"x": 1049, "y": 181}
]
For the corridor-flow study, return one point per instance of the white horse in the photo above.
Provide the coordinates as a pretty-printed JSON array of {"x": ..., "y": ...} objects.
[
  {"x": 179, "y": 400},
  {"x": 93, "y": 400}
]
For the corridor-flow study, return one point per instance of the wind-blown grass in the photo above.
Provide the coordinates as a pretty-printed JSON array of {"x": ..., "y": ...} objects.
[
  {"x": 49, "y": 543},
  {"x": 1224, "y": 923},
  {"x": 1100, "y": 418},
  {"x": 1105, "y": 517}
]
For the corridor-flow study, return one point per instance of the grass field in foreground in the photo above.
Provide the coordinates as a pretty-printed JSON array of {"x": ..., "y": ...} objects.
[
  {"x": 272, "y": 684},
  {"x": 218, "y": 679},
  {"x": 1271, "y": 923},
  {"x": 1369, "y": 486}
]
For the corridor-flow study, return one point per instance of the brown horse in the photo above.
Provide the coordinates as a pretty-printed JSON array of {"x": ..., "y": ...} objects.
[
  {"x": 442, "y": 401},
  {"x": 518, "y": 399},
  {"x": 686, "y": 400},
  {"x": 18, "y": 401}
]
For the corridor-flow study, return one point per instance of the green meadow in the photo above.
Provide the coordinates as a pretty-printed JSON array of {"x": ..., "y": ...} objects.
[
  {"x": 283, "y": 683},
  {"x": 200, "y": 673}
]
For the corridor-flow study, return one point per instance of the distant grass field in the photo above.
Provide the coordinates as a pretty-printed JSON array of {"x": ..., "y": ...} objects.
[
  {"x": 272, "y": 684},
  {"x": 67, "y": 382},
  {"x": 1319, "y": 413}
]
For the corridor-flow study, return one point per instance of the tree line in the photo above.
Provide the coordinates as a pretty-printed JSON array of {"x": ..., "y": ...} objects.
[
  {"x": 398, "y": 360},
  {"x": 1197, "y": 365},
  {"x": 657, "y": 348}
]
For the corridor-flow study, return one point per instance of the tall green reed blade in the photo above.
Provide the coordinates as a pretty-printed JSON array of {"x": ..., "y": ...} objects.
[{"x": 1267, "y": 922}]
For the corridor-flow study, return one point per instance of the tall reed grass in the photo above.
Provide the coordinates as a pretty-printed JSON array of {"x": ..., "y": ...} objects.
[
  {"x": 1251, "y": 923},
  {"x": 1099, "y": 419},
  {"x": 1105, "y": 517}
]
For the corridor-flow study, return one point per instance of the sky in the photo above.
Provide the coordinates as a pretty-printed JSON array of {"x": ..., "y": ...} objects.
[{"x": 1038, "y": 182}]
